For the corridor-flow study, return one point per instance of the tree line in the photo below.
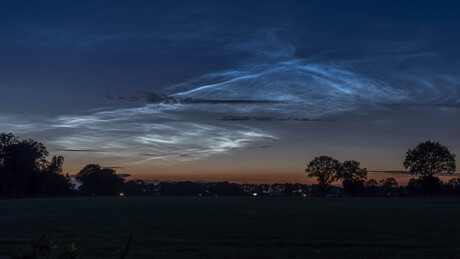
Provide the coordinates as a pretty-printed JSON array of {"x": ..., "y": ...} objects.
[
  {"x": 425, "y": 161},
  {"x": 26, "y": 171}
]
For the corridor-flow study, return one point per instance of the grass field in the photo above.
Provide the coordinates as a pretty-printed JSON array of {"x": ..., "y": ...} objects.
[{"x": 237, "y": 227}]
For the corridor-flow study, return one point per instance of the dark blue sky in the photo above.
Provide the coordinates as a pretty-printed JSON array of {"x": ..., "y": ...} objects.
[{"x": 240, "y": 82}]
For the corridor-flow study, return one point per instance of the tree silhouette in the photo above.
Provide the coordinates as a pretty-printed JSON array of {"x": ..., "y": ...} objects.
[
  {"x": 51, "y": 181},
  {"x": 225, "y": 189},
  {"x": 325, "y": 169},
  {"x": 414, "y": 187},
  {"x": 25, "y": 170},
  {"x": 20, "y": 161},
  {"x": 371, "y": 187},
  {"x": 372, "y": 183},
  {"x": 186, "y": 188},
  {"x": 452, "y": 187},
  {"x": 427, "y": 159},
  {"x": 99, "y": 181},
  {"x": 353, "y": 176},
  {"x": 389, "y": 186}
]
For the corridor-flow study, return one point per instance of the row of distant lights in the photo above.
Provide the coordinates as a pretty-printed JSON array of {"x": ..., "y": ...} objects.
[{"x": 253, "y": 194}]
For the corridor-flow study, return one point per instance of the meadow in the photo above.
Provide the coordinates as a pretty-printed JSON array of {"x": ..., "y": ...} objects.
[{"x": 226, "y": 227}]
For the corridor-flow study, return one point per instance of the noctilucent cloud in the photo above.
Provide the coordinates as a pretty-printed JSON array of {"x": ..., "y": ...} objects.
[{"x": 230, "y": 90}]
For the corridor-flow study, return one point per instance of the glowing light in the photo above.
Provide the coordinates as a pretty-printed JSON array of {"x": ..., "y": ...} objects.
[
  {"x": 254, "y": 194},
  {"x": 122, "y": 194}
]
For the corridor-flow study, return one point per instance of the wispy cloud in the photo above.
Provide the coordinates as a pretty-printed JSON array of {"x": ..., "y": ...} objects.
[
  {"x": 151, "y": 132},
  {"x": 272, "y": 85},
  {"x": 268, "y": 118},
  {"x": 80, "y": 150}
]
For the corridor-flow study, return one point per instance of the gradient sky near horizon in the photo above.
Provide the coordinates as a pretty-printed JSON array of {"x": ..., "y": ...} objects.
[{"x": 245, "y": 91}]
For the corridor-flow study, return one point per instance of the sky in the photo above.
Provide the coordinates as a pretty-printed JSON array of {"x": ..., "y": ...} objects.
[{"x": 243, "y": 91}]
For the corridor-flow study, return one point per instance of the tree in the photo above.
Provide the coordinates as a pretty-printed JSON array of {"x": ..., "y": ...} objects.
[
  {"x": 372, "y": 183},
  {"x": 353, "y": 176},
  {"x": 6, "y": 139},
  {"x": 429, "y": 158},
  {"x": 452, "y": 187},
  {"x": 24, "y": 169},
  {"x": 186, "y": 188},
  {"x": 99, "y": 181},
  {"x": 414, "y": 187},
  {"x": 288, "y": 189},
  {"x": 19, "y": 160},
  {"x": 325, "y": 169},
  {"x": 371, "y": 187},
  {"x": 389, "y": 182},
  {"x": 389, "y": 186},
  {"x": 426, "y": 186},
  {"x": 51, "y": 181},
  {"x": 225, "y": 189},
  {"x": 136, "y": 188},
  {"x": 454, "y": 182}
]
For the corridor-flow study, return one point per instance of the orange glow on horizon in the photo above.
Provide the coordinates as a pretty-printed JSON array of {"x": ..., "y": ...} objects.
[{"x": 270, "y": 178}]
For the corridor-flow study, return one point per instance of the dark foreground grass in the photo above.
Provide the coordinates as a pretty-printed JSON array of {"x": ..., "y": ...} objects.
[{"x": 237, "y": 227}]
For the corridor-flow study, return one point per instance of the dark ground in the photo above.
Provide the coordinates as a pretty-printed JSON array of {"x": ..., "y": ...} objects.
[{"x": 237, "y": 227}]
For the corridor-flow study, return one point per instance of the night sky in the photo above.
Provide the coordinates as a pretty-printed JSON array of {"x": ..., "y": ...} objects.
[{"x": 245, "y": 91}]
